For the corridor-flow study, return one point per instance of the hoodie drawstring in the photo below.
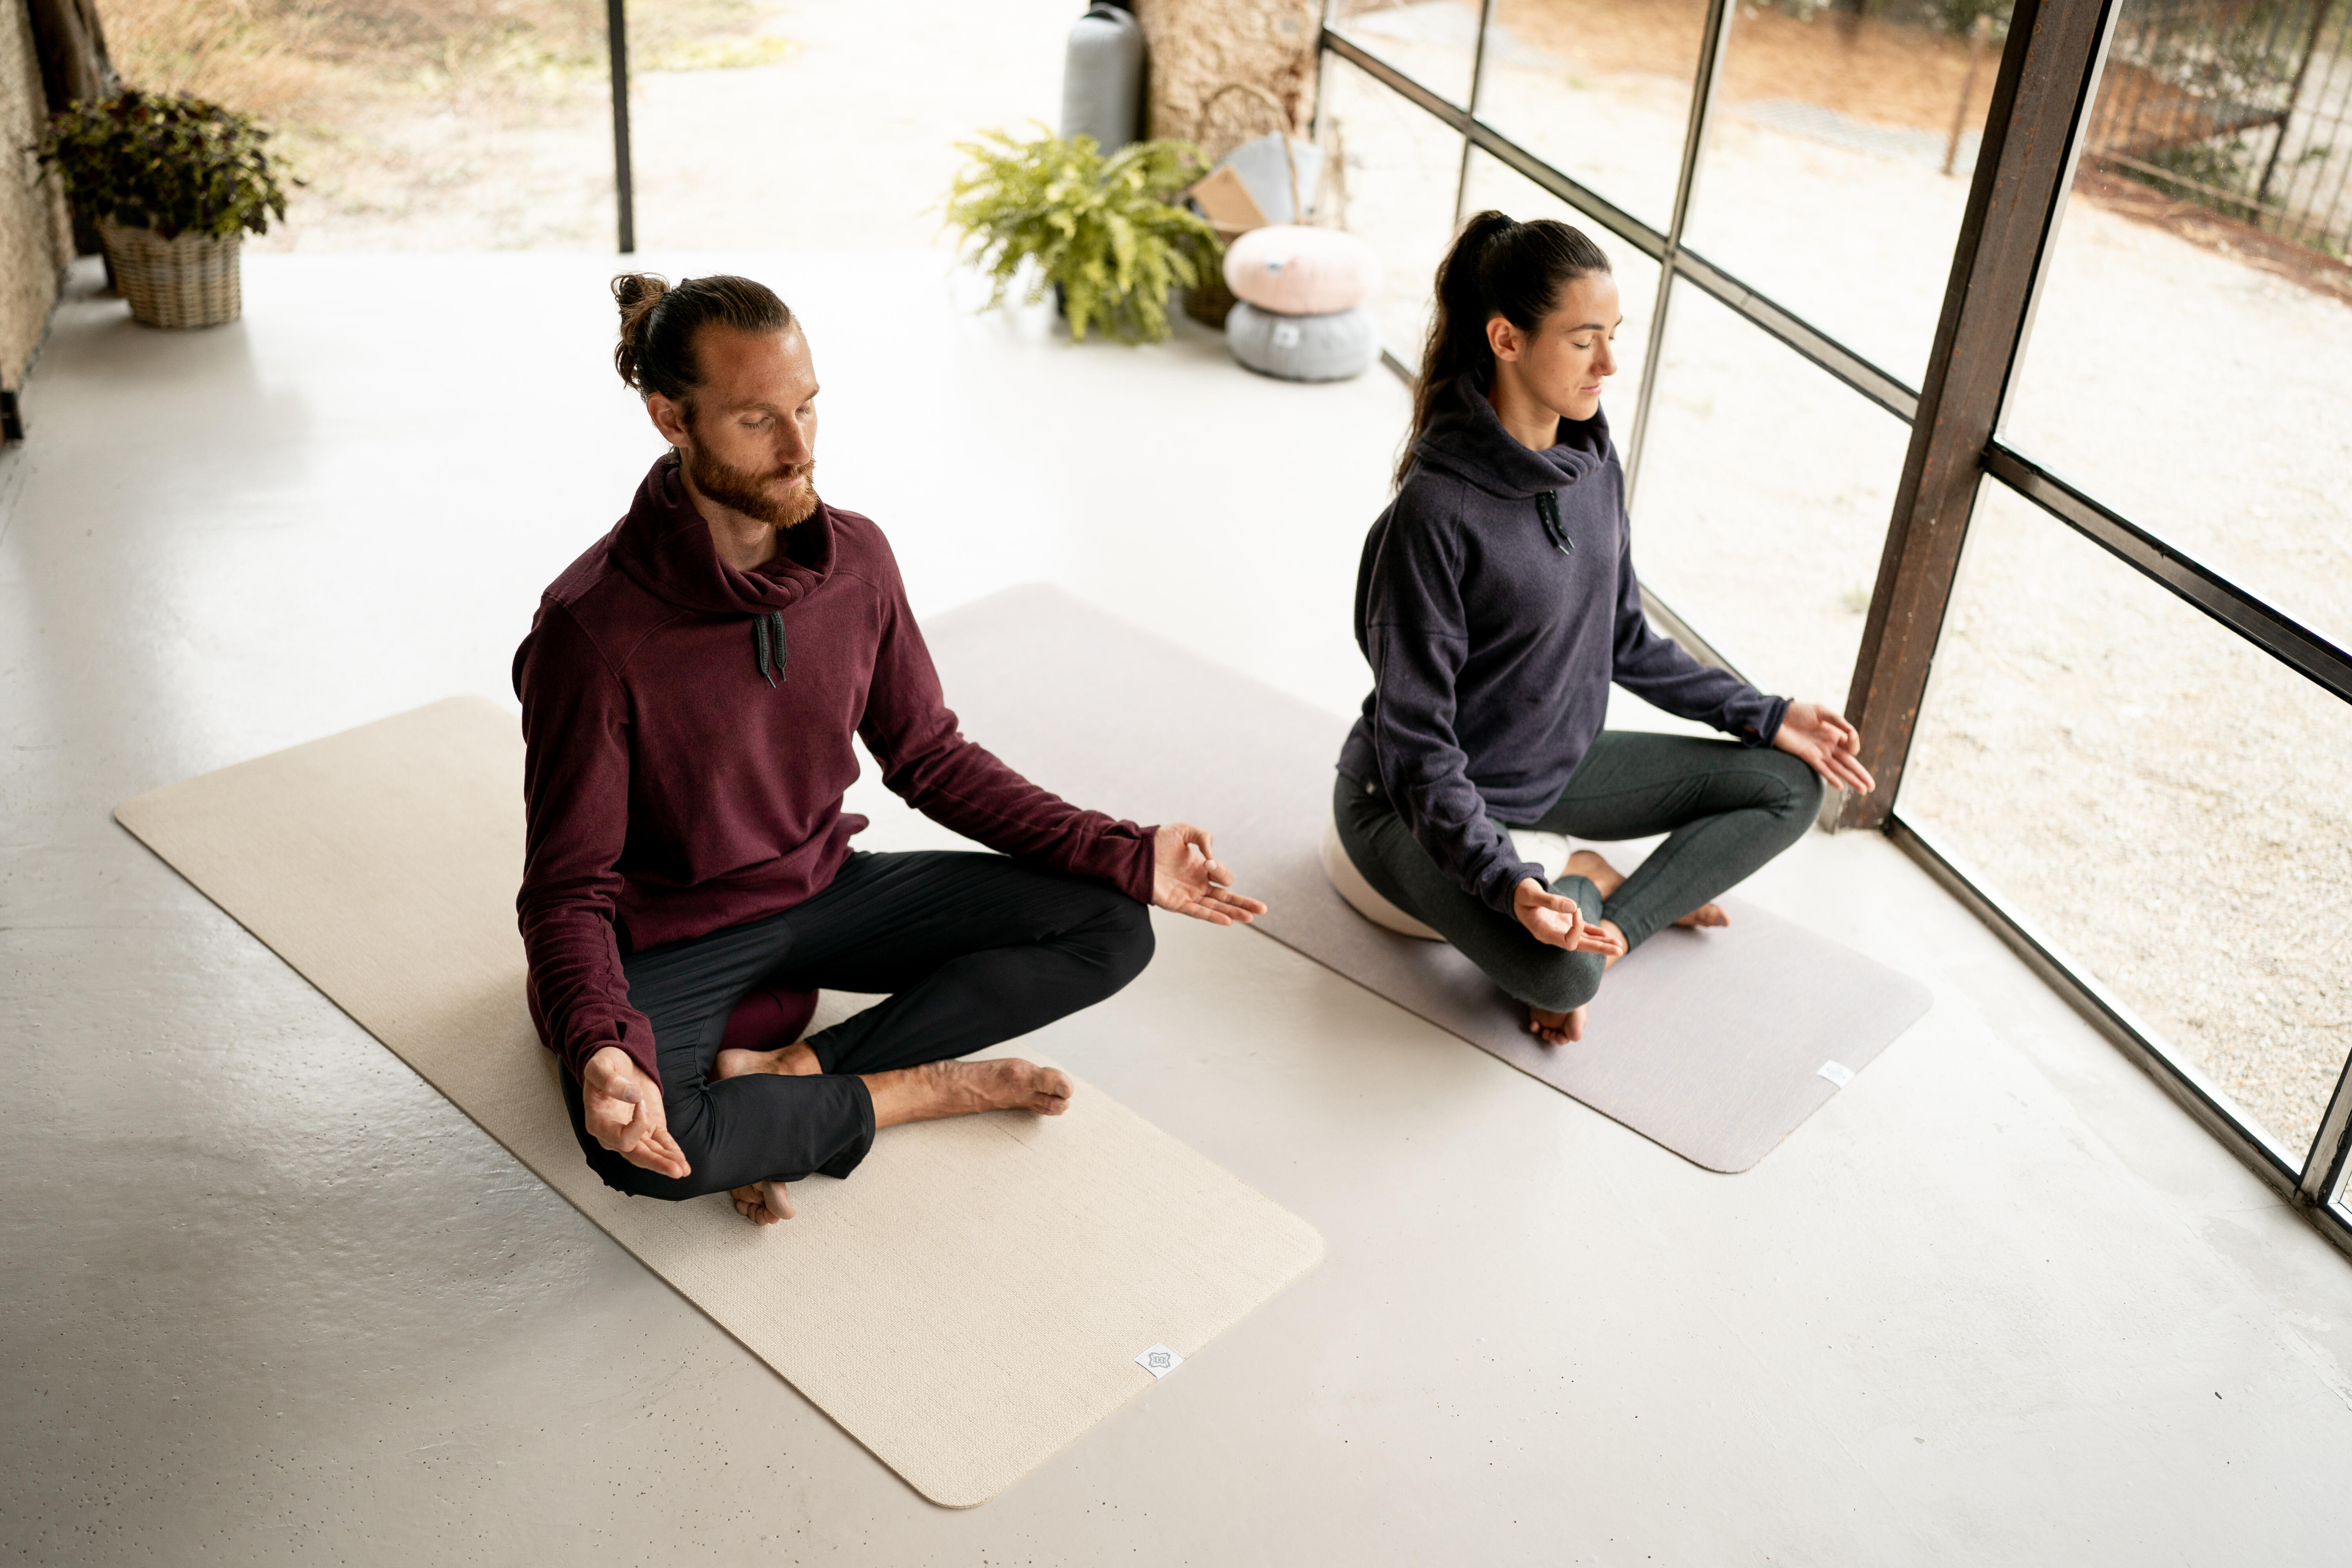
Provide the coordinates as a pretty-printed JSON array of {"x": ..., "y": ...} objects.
[
  {"x": 768, "y": 645},
  {"x": 1547, "y": 508}
]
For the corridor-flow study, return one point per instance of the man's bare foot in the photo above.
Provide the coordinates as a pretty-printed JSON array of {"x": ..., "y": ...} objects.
[
  {"x": 762, "y": 1203},
  {"x": 796, "y": 1060},
  {"x": 939, "y": 1089},
  {"x": 1556, "y": 1029},
  {"x": 1608, "y": 878}
]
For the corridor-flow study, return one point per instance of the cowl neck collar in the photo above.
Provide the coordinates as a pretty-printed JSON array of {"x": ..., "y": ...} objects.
[
  {"x": 665, "y": 546},
  {"x": 1468, "y": 438}
]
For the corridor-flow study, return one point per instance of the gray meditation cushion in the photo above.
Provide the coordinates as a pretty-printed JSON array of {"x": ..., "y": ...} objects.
[{"x": 1303, "y": 348}]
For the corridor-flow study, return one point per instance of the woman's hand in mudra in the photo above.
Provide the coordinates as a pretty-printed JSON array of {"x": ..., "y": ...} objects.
[
  {"x": 1821, "y": 739},
  {"x": 1554, "y": 919}
]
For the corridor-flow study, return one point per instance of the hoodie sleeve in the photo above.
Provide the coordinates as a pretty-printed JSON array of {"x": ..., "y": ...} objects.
[
  {"x": 1416, "y": 638},
  {"x": 576, "y": 815},
  {"x": 1660, "y": 670},
  {"x": 926, "y": 761}
]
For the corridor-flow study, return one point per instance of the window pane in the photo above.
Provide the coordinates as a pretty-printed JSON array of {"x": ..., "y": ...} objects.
[
  {"x": 1558, "y": 71},
  {"x": 1391, "y": 171},
  {"x": 1762, "y": 499},
  {"x": 758, "y": 126},
  {"x": 2172, "y": 805},
  {"x": 1431, "y": 41},
  {"x": 1498, "y": 185},
  {"x": 1822, "y": 181},
  {"x": 2189, "y": 369},
  {"x": 470, "y": 125}
]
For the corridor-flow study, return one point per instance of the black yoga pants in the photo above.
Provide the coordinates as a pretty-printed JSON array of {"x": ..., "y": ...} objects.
[
  {"x": 971, "y": 947},
  {"x": 1725, "y": 808}
]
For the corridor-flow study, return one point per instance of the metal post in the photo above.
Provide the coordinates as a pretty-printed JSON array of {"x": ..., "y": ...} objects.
[
  {"x": 2286, "y": 120},
  {"x": 1979, "y": 32},
  {"x": 2048, "y": 71},
  {"x": 1477, "y": 72},
  {"x": 1711, "y": 50},
  {"x": 616, "y": 34}
]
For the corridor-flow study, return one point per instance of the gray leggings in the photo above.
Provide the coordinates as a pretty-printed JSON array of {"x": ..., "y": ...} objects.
[{"x": 1725, "y": 808}]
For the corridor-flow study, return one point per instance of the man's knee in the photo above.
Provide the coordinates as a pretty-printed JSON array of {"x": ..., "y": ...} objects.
[{"x": 1126, "y": 939}]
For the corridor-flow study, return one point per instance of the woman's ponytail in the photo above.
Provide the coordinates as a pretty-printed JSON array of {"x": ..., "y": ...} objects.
[{"x": 1495, "y": 268}]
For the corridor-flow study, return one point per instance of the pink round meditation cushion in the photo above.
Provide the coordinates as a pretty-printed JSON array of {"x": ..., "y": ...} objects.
[
  {"x": 1296, "y": 270},
  {"x": 769, "y": 1018}
]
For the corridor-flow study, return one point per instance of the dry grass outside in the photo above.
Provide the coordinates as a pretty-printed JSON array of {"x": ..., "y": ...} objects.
[
  {"x": 1864, "y": 66},
  {"x": 383, "y": 108},
  {"x": 2209, "y": 230}
]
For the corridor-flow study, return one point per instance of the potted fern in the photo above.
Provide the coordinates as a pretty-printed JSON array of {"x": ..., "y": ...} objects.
[
  {"x": 175, "y": 184},
  {"x": 1105, "y": 238}
]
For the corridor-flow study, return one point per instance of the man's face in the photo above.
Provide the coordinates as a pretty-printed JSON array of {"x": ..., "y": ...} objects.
[{"x": 752, "y": 443}]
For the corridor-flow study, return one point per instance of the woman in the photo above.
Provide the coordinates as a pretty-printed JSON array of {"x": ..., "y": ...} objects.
[{"x": 1495, "y": 601}]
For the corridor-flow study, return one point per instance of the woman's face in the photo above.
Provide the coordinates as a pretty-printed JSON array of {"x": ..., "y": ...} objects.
[{"x": 1563, "y": 362}]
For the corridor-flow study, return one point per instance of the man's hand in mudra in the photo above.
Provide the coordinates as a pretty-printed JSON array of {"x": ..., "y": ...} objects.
[
  {"x": 1820, "y": 737},
  {"x": 624, "y": 1113},
  {"x": 1186, "y": 879}
]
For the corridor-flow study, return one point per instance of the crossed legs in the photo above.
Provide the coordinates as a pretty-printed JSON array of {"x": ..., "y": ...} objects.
[
  {"x": 1725, "y": 809},
  {"x": 971, "y": 949}
]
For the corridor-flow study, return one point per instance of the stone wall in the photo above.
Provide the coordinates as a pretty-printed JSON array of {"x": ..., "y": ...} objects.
[
  {"x": 35, "y": 238},
  {"x": 1199, "y": 46}
]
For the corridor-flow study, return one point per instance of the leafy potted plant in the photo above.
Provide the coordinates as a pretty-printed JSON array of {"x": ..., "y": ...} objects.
[
  {"x": 1103, "y": 235},
  {"x": 173, "y": 183}
]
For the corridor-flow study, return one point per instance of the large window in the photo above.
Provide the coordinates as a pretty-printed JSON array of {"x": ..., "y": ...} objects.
[{"x": 2114, "y": 360}]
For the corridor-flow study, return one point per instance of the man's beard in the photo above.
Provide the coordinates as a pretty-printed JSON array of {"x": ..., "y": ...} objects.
[{"x": 752, "y": 494}]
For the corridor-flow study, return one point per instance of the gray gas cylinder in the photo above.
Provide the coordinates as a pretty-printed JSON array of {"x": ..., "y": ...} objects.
[{"x": 1102, "y": 77}]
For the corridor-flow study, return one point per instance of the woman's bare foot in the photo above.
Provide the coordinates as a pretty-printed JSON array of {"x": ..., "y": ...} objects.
[
  {"x": 1556, "y": 1029},
  {"x": 762, "y": 1203},
  {"x": 937, "y": 1090},
  {"x": 795, "y": 1060},
  {"x": 1608, "y": 878}
]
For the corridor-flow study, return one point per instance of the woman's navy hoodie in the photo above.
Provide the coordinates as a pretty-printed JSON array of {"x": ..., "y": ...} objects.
[{"x": 1495, "y": 601}]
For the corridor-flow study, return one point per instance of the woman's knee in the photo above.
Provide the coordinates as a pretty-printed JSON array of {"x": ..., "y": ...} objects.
[
  {"x": 1559, "y": 982},
  {"x": 1802, "y": 789}
]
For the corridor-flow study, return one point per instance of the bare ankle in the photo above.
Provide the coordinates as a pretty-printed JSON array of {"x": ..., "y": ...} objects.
[
  {"x": 796, "y": 1060},
  {"x": 1588, "y": 864}
]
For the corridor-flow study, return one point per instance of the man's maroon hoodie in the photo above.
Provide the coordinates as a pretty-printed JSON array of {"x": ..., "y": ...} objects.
[{"x": 688, "y": 729}]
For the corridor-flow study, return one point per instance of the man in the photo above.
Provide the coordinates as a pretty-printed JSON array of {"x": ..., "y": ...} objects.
[{"x": 690, "y": 686}]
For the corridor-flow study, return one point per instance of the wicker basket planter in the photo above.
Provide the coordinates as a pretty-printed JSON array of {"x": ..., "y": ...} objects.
[
  {"x": 190, "y": 282},
  {"x": 1208, "y": 301}
]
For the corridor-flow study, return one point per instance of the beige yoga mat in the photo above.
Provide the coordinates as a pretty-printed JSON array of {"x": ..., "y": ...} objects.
[
  {"x": 1715, "y": 1044},
  {"x": 971, "y": 1300}
]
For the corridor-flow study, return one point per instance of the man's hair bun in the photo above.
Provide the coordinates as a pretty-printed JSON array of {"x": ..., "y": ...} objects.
[{"x": 661, "y": 321}]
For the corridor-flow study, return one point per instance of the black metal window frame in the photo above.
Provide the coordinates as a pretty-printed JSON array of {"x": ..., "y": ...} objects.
[{"x": 2312, "y": 1179}]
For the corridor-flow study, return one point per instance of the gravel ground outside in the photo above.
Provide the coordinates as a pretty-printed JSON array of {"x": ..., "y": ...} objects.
[{"x": 468, "y": 125}]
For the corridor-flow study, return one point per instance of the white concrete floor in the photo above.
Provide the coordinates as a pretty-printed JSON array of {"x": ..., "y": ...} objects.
[{"x": 269, "y": 1297}]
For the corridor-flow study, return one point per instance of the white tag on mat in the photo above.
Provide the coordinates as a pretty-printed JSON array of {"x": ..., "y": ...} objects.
[
  {"x": 1159, "y": 1361},
  {"x": 1837, "y": 1073}
]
